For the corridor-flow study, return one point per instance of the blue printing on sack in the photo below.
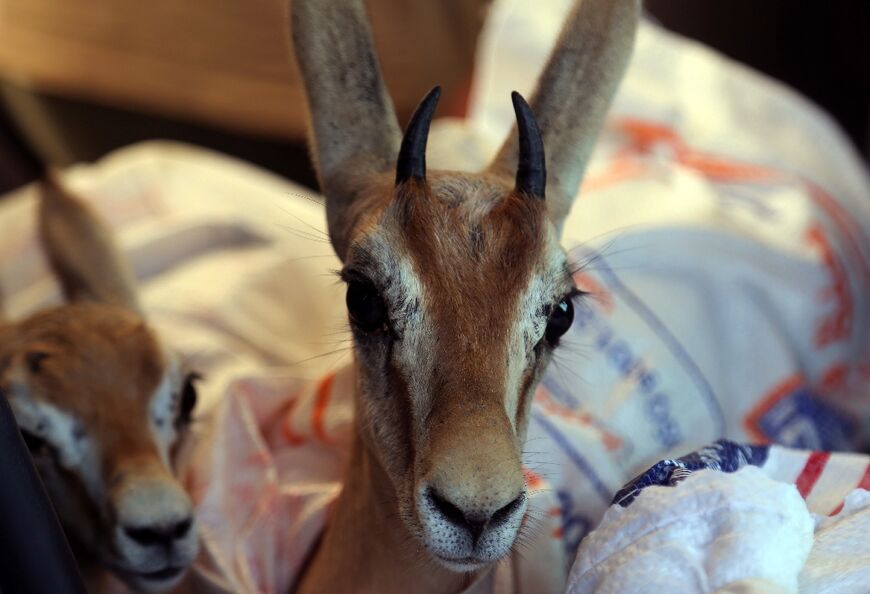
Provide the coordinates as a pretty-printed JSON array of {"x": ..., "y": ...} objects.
[
  {"x": 722, "y": 455},
  {"x": 803, "y": 421},
  {"x": 668, "y": 339},
  {"x": 575, "y": 456}
]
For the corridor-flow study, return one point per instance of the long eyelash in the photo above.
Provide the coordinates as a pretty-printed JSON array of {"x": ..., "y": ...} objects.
[
  {"x": 576, "y": 293},
  {"x": 349, "y": 275}
]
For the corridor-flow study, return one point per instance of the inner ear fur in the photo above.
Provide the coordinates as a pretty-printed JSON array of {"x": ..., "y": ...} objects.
[
  {"x": 81, "y": 249},
  {"x": 354, "y": 132},
  {"x": 573, "y": 95}
]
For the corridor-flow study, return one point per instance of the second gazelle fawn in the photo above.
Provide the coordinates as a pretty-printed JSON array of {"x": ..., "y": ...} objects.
[
  {"x": 457, "y": 290},
  {"x": 103, "y": 406}
]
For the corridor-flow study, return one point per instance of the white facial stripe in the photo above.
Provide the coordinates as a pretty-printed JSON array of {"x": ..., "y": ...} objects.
[
  {"x": 543, "y": 288},
  {"x": 141, "y": 499},
  {"x": 163, "y": 410},
  {"x": 76, "y": 451},
  {"x": 406, "y": 298},
  {"x": 416, "y": 355}
]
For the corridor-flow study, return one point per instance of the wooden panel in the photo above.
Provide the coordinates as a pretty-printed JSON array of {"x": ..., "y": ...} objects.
[{"x": 225, "y": 63}]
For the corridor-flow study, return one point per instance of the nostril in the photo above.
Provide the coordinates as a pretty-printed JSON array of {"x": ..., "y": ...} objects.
[
  {"x": 476, "y": 522},
  {"x": 505, "y": 512},
  {"x": 447, "y": 509},
  {"x": 159, "y": 535},
  {"x": 183, "y": 527},
  {"x": 455, "y": 515},
  {"x": 146, "y": 536}
]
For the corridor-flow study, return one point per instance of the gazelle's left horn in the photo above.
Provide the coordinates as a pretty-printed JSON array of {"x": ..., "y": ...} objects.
[
  {"x": 572, "y": 97},
  {"x": 531, "y": 165},
  {"x": 412, "y": 154}
]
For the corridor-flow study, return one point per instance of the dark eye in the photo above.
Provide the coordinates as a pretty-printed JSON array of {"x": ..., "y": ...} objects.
[
  {"x": 188, "y": 399},
  {"x": 37, "y": 445},
  {"x": 366, "y": 306},
  {"x": 560, "y": 320}
]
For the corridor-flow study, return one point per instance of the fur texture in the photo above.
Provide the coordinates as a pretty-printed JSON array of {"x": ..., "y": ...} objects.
[
  {"x": 98, "y": 399},
  {"x": 469, "y": 271}
]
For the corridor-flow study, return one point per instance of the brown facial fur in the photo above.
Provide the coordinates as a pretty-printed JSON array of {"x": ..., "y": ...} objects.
[
  {"x": 473, "y": 260},
  {"x": 438, "y": 410},
  {"x": 474, "y": 244},
  {"x": 97, "y": 398},
  {"x": 101, "y": 363}
]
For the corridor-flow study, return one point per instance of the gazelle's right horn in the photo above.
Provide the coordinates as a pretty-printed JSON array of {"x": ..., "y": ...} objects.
[{"x": 412, "y": 154}]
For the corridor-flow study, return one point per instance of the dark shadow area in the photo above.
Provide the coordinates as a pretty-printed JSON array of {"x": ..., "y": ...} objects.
[
  {"x": 822, "y": 49},
  {"x": 18, "y": 165},
  {"x": 87, "y": 131}
]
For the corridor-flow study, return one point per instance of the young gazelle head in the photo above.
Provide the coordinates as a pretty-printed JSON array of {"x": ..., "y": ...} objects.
[
  {"x": 102, "y": 406},
  {"x": 457, "y": 288}
]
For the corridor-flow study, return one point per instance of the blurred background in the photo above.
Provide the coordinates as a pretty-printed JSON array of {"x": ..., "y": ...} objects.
[{"x": 79, "y": 79}]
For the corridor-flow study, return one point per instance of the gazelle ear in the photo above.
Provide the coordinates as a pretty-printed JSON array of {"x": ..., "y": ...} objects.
[
  {"x": 354, "y": 133},
  {"x": 81, "y": 249},
  {"x": 573, "y": 95}
]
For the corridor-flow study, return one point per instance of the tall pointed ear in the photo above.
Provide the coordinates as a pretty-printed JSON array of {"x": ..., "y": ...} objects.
[
  {"x": 573, "y": 95},
  {"x": 354, "y": 133},
  {"x": 81, "y": 249}
]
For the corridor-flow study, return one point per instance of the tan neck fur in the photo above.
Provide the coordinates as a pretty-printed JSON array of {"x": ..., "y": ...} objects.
[{"x": 366, "y": 546}]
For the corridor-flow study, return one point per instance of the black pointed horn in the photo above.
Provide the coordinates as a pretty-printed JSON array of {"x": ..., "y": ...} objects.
[
  {"x": 412, "y": 154},
  {"x": 531, "y": 166}
]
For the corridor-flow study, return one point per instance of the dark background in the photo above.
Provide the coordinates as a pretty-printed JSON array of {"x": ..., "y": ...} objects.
[{"x": 821, "y": 49}]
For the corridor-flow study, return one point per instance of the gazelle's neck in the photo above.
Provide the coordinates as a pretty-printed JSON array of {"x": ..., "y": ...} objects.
[{"x": 366, "y": 546}]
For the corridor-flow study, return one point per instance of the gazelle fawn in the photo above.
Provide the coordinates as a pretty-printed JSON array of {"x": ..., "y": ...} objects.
[
  {"x": 102, "y": 405},
  {"x": 457, "y": 291}
]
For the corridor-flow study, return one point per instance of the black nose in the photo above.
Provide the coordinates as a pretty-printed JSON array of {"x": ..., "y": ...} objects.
[
  {"x": 474, "y": 521},
  {"x": 159, "y": 535}
]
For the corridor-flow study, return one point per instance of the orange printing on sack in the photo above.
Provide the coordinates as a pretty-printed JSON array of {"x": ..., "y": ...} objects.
[
  {"x": 290, "y": 435},
  {"x": 644, "y": 136},
  {"x": 838, "y": 325},
  {"x": 318, "y": 414},
  {"x": 811, "y": 472},
  {"x": 317, "y": 418},
  {"x": 543, "y": 399},
  {"x": 752, "y": 420}
]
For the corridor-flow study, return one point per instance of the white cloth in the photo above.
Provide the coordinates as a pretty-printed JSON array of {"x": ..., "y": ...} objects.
[
  {"x": 726, "y": 533},
  {"x": 839, "y": 562},
  {"x": 710, "y": 531}
]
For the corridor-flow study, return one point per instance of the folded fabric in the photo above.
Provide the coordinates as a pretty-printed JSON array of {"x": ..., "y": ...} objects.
[
  {"x": 839, "y": 562},
  {"x": 735, "y": 519},
  {"x": 715, "y": 532}
]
